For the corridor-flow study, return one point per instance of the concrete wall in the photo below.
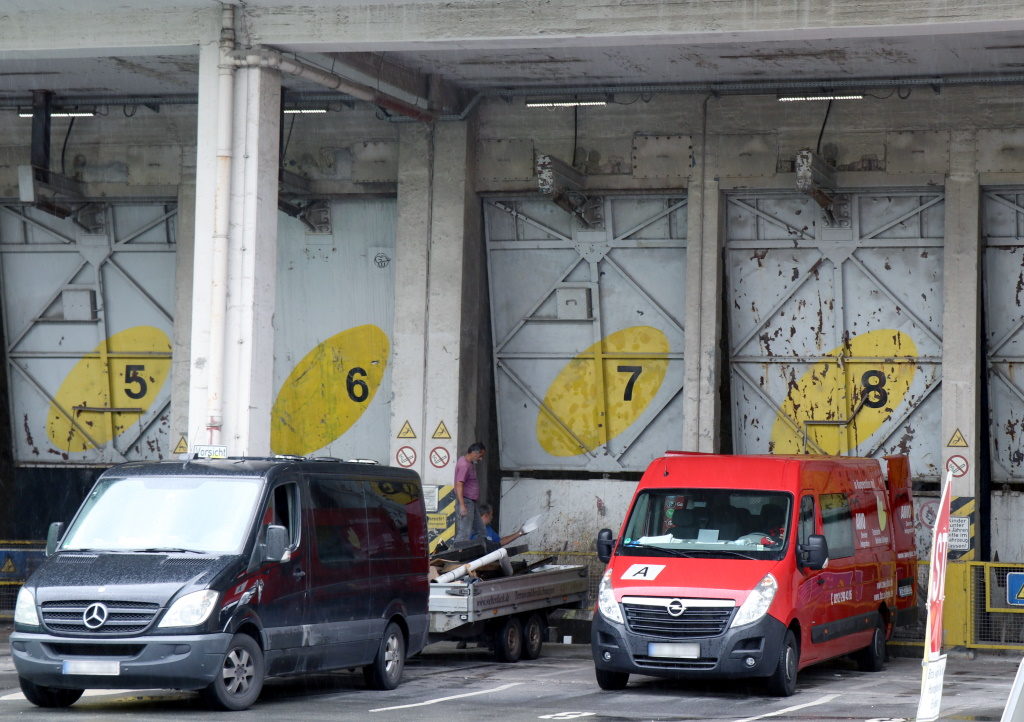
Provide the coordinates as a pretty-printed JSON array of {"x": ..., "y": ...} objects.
[{"x": 637, "y": 143}]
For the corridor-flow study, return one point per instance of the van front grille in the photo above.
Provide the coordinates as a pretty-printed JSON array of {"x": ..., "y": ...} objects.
[
  {"x": 115, "y": 618},
  {"x": 692, "y": 623},
  {"x": 662, "y": 663}
]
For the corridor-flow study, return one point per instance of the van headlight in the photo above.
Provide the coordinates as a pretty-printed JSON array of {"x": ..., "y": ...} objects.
[
  {"x": 757, "y": 602},
  {"x": 191, "y": 610},
  {"x": 25, "y": 609},
  {"x": 606, "y": 599}
]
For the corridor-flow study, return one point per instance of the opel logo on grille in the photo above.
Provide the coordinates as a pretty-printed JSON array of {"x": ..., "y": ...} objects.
[
  {"x": 675, "y": 607},
  {"x": 95, "y": 615}
]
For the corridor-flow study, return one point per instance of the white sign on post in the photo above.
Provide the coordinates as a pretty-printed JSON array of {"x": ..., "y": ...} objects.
[{"x": 210, "y": 451}]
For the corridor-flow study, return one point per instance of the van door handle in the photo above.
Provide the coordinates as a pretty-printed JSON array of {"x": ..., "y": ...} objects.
[
  {"x": 821, "y": 582},
  {"x": 298, "y": 573}
]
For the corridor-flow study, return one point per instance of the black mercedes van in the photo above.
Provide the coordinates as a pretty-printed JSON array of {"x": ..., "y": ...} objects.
[{"x": 212, "y": 574}]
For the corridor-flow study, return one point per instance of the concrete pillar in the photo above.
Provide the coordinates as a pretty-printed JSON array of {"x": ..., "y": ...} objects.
[
  {"x": 440, "y": 364},
  {"x": 962, "y": 344},
  {"x": 702, "y": 324},
  {"x": 245, "y": 392},
  {"x": 252, "y": 263},
  {"x": 181, "y": 344}
]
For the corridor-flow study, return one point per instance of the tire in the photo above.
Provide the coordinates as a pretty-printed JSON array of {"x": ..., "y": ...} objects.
[
  {"x": 385, "y": 672},
  {"x": 49, "y": 697},
  {"x": 508, "y": 641},
  {"x": 872, "y": 657},
  {"x": 607, "y": 679},
  {"x": 240, "y": 680},
  {"x": 533, "y": 636},
  {"x": 782, "y": 682}
]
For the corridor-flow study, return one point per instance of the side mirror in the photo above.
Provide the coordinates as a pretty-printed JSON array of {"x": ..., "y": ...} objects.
[
  {"x": 814, "y": 553},
  {"x": 53, "y": 536},
  {"x": 276, "y": 543},
  {"x": 604, "y": 545}
]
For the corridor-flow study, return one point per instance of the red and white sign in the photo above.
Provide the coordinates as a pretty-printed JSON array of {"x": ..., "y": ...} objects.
[
  {"x": 406, "y": 456},
  {"x": 934, "y": 664},
  {"x": 957, "y": 465},
  {"x": 439, "y": 457}
]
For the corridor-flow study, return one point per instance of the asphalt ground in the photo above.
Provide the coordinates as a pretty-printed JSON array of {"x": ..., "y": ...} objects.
[{"x": 447, "y": 684}]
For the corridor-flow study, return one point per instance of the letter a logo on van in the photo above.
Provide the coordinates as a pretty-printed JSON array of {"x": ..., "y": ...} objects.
[{"x": 643, "y": 571}]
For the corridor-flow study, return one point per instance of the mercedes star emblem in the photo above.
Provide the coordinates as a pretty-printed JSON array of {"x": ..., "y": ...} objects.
[{"x": 95, "y": 615}]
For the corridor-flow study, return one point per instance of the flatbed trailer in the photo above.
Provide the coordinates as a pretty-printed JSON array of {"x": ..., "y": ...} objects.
[{"x": 509, "y": 613}]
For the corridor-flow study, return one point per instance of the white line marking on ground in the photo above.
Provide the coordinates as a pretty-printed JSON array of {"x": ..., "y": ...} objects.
[
  {"x": 88, "y": 693},
  {"x": 445, "y": 699},
  {"x": 776, "y": 713}
]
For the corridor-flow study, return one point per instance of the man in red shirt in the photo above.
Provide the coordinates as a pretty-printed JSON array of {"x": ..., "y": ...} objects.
[{"x": 467, "y": 492}]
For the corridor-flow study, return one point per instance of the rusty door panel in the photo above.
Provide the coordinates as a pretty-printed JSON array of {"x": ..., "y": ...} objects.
[{"x": 834, "y": 324}]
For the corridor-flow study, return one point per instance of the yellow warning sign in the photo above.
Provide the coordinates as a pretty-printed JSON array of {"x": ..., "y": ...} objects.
[
  {"x": 8, "y": 567},
  {"x": 182, "y": 447},
  {"x": 957, "y": 439},
  {"x": 406, "y": 432},
  {"x": 441, "y": 432}
]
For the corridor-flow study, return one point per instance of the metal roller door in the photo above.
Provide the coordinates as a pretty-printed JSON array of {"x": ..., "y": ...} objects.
[
  {"x": 87, "y": 330},
  {"x": 1003, "y": 230},
  {"x": 835, "y": 324},
  {"x": 332, "y": 332},
  {"x": 587, "y": 329}
]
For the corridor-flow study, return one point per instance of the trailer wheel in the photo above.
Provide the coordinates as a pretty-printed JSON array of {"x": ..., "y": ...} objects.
[
  {"x": 872, "y": 657},
  {"x": 42, "y": 696},
  {"x": 533, "y": 636},
  {"x": 508, "y": 642},
  {"x": 610, "y": 680}
]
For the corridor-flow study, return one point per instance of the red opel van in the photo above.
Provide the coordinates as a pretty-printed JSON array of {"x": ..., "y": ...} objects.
[{"x": 755, "y": 566}]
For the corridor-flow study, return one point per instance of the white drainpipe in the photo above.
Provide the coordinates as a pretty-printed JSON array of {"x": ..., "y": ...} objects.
[
  {"x": 266, "y": 58},
  {"x": 221, "y": 226}
]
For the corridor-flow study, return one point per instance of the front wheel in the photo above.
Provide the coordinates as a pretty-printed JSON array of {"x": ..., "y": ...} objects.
[
  {"x": 50, "y": 697},
  {"x": 385, "y": 672},
  {"x": 607, "y": 679},
  {"x": 240, "y": 679},
  {"x": 782, "y": 682},
  {"x": 872, "y": 657}
]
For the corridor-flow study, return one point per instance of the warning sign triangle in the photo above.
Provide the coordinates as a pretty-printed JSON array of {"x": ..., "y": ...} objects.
[
  {"x": 441, "y": 432},
  {"x": 957, "y": 439},
  {"x": 8, "y": 567},
  {"x": 406, "y": 432},
  {"x": 182, "y": 447}
]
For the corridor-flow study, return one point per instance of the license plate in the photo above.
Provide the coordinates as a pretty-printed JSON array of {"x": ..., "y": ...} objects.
[
  {"x": 674, "y": 650},
  {"x": 92, "y": 667}
]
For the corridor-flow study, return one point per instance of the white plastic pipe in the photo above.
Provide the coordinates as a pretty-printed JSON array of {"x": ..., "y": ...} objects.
[
  {"x": 221, "y": 226},
  {"x": 499, "y": 555}
]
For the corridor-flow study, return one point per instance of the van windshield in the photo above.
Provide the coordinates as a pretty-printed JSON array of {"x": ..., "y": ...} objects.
[
  {"x": 206, "y": 515},
  {"x": 715, "y": 523}
]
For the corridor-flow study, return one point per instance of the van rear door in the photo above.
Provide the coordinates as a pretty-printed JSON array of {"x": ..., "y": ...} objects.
[{"x": 900, "y": 502}]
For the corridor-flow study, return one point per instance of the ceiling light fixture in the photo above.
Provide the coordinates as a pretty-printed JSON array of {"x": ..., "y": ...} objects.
[
  {"x": 561, "y": 103},
  {"x": 60, "y": 114},
  {"x": 304, "y": 111},
  {"x": 797, "y": 98}
]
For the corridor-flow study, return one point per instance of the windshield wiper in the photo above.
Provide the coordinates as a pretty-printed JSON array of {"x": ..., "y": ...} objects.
[
  {"x": 717, "y": 552},
  {"x": 164, "y": 550},
  {"x": 673, "y": 552}
]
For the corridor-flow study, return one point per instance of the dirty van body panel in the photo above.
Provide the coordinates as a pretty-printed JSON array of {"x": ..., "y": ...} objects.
[
  {"x": 675, "y": 558},
  {"x": 273, "y": 600}
]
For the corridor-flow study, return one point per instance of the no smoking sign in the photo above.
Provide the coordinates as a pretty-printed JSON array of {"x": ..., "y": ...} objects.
[
  {"x": 439, "y": 457},
  {"x": 957, "y": 465}
]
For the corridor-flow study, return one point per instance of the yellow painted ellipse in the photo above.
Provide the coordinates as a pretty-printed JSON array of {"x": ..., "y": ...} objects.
[
  {"x": 601, "y": 392},
  {"x": 843, "y": 399},
  {"x": 328, "y": 390},
  {"x": 107, "y": 391}
]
